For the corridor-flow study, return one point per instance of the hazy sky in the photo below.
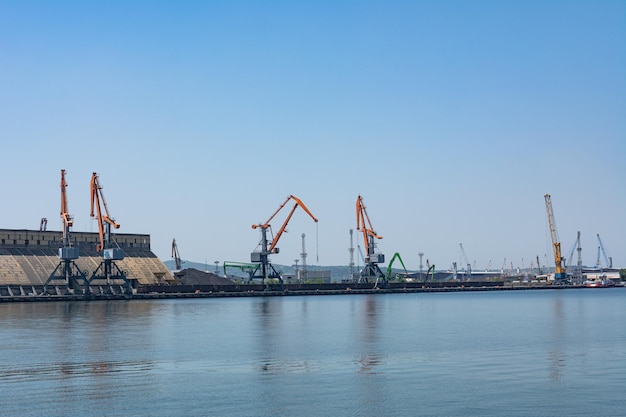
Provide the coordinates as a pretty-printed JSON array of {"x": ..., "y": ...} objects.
[{"x": 451, "y": 118}]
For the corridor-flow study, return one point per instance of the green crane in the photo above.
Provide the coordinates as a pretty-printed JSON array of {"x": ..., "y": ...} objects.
[{"x": 394, "y": 257}]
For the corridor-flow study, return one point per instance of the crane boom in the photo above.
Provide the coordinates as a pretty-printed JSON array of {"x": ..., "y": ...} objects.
[
  {"x": 68, "y": 222},
  {"x": 104, "y": 219},
  {"x": 607, "y": 259},
  {"x": 389, "y": 267},
  {"x": 266, "y": 225},
  {"x": 559, "y": 270},
  {"x": 177, "y": 261},
  {"x": 67, "y": 219}
]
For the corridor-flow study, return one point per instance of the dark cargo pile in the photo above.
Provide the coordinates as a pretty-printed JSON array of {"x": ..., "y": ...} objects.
[{"x": 191, "y": 276}]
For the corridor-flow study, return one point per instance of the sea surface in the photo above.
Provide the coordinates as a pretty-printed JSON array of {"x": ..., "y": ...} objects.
[{"x": 498, "y": 353}]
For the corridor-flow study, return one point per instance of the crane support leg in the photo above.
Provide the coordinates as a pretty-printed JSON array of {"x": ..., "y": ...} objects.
[
  {"x": 70, "y": 273},
  {"x": 111, "y": 272}
]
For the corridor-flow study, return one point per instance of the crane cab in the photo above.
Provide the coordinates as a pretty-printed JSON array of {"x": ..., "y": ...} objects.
[{"x": 114, "y": 254}]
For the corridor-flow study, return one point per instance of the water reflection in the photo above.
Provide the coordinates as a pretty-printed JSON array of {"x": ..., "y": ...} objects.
[
  {"x": 352, "y": 355},
  {"x": 371, "y": 384},
  {"x": 369, "y": 337},
  {"x": 86, "y": 343},
  {"x": 557, "y": 356},
  {"x": 269, "y": 319},
  {"x": 369, "y": 362},
  {"x": 67, "y": 370}
]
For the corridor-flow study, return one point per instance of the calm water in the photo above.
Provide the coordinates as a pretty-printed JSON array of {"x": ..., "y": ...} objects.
[{"x": 523, "y": 353}]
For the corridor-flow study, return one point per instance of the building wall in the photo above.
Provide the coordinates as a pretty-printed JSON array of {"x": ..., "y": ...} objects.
[{"x": 30, "y": 238}]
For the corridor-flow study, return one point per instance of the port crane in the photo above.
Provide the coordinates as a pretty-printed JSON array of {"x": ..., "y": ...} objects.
[
  {"x": 111, "y": 251},
  {"x": 578, "y": 271},
  {"x": 468, "y": 271},
  {"x": 559, "y": 271},
  {"x": 178, "y": 263},
  {"x": 66, "y": 269},
  {"x": 389, "y": 267},
  {"x": 430, "y": 271},
  {"x": 607, "y": 259},
  {"x": 372, "y": 258},
  {"x": 538, "y": 266},
  {"x": 264, "y": 268}
]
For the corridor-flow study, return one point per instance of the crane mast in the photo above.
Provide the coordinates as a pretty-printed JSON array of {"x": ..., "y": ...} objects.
[
  {"x": 264, "y": 269},
  {"x": 372, "y": 258},
  {"x": 559, "y": 270}
]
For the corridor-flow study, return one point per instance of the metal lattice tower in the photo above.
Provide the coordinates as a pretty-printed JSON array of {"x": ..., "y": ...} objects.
[
  {"x": 421, "y": 255},
  {"x": 351, "y": 250}
]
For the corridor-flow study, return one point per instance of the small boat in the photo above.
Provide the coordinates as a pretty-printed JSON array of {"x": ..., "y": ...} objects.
[{"x": 598, "y": 283}]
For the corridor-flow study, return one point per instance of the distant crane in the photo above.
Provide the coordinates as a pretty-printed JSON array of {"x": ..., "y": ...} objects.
[
  {"x": 178, "y": 263},
  {"x": 607, "y": 259},
  {"x": 578, "y": 271},
  {"x": 559, "y": 271},
  {"x": 570, "y": 259},
  {"x": 111, "y": 251},
  {"x": 372, "y": 258},
  {"x": 264, "y": 269},
  {"x": 520, "y": 267},
  {"x": 538, "y": 266},
  {"x": 67, "y": 269},
  {"x": 468, "y": 272},
  {"x": 430, "y": 271}
]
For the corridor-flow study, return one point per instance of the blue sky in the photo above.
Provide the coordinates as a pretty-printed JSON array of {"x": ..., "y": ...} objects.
[{"x": 451, "y": 118}]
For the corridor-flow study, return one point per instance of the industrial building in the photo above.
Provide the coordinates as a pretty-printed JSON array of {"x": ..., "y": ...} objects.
[{"x": 29, "y": 257}]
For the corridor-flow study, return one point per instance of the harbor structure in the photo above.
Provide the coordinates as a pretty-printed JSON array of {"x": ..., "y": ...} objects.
[{"x": 28, "y": 257}]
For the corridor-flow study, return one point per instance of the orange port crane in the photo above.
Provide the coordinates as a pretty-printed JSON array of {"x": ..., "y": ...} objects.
[
  {"x": 67, "y": 268},
  {"x": 262, "y": 257},
  {"x": 559, "y": 271},
  {"x": 372, "y": 258},
  {"x": 110, "y": 252},
  {"x": 104, "y": 219}
]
